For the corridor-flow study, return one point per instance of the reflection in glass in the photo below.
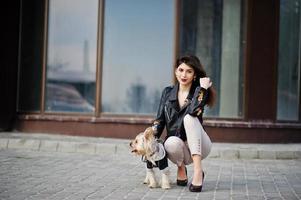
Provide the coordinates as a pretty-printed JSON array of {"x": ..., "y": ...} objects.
[
  {"x": 212, "y": 30},
  {"x": 30, "y": 69},
  {"x": 137, "y": 55},
  {"x": 289, "y": 60},
  {"x": 71, "y": 59}
]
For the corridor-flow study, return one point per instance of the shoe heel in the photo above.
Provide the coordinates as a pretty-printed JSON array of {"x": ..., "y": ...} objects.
[
  {"x": 183, "y": 182},
  {"x": 195, "y": 188}
]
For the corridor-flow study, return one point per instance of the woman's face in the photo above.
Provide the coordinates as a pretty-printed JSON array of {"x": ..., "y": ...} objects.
[{"x": 184, "y": 74}]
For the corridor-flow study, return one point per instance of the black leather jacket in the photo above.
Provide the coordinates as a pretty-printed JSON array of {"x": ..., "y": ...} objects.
[{"x": 170, "y": 115}]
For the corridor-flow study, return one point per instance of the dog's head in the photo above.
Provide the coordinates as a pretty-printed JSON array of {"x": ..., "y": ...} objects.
[{"x": 143, "y": 143}]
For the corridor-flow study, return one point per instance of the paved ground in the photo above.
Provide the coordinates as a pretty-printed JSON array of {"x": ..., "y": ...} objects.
[{"x": 57, "y": 175}]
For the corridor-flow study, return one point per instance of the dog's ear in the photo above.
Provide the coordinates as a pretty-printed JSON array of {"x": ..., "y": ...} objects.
[{"x": 149, "y": 132}]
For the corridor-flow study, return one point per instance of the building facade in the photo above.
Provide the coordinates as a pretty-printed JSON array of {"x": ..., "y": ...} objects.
[{"x": 97, "y": 67}]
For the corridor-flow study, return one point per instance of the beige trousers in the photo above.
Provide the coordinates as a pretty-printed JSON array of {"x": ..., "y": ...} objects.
[{"x": 198, "y": 142}]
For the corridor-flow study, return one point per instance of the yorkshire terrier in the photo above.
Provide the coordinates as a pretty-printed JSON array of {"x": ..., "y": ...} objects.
[{"x": 146, "y": 145}]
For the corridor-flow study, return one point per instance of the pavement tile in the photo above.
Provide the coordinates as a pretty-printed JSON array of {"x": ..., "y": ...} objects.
[
  {"x": 89, "y": 148},
  {"x": 297, "y": 154},
  {"x": 105, "y": 148},
  {"x": 20, "y": 143},
  {"x": 248, "y": 154},
  {"x": 214, "y": 153},
  {"x": 67, "y": 147},
  {"x": 3, "y": 143},
  {"x": 264, "y": 154},
  {"x": 230, "y": 154},
  {"x": 285, "y": 154},
  {"x": 49, "y": 145}
]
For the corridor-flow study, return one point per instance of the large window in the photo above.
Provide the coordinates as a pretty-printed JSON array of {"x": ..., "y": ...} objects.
[
  {"x": 289, "y": 60},
  {"x": 213, "y": 30},
  {"x": 137, "y": 55},
  {"x": 71, "y": 56}
]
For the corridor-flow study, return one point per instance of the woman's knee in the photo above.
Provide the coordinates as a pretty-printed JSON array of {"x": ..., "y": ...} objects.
[
  {"x": 173, "y": 144},
  {"x": 188, "y": 120},
  {"x": 174, "y": 147}
]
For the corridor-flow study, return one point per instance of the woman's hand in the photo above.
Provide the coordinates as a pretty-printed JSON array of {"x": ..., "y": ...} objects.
[{"x": 205, "y": 82}]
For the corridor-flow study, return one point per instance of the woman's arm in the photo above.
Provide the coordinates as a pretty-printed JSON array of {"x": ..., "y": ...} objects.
[
  {"x": 159, "y": 123},
  {"x": 200, "y": 97},
  {"x": 198, "y": 102}
]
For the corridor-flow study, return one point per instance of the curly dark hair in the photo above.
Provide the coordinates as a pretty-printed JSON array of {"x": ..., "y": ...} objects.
[{"x": 194, "y": 62}]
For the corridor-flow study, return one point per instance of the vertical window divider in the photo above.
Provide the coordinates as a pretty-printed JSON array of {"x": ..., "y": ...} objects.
[
  {"x": 19, "y": 55},
  {"x": 45, "y": 42},
  {"x": 244, "y": 56},
  {"x": 99, "y": 57},
  {"x": 177, "y": 22},
  {"x": 299, "y": 62},
  {"x": 177, "y": 14}
]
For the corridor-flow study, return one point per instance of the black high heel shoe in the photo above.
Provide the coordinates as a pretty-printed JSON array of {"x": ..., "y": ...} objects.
[
  {"x": 196, "y": 188},
  {"x": 183, "y": 182}
]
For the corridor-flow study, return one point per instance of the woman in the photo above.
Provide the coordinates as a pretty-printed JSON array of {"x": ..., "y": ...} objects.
[{"x": 180, "y": 110}]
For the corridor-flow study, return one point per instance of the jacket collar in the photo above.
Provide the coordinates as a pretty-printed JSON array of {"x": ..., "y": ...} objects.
[{"x": 174, "y": 93}]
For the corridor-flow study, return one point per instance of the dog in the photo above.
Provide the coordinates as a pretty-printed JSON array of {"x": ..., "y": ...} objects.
[{"x": 146, "y": 145}]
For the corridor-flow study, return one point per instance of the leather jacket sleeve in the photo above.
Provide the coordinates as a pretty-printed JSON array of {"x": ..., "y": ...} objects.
[
  {"x": 198, "y": 102},
  {"x": 159, "y": 123}
]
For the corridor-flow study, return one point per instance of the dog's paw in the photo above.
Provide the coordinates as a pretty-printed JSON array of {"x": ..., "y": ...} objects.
[
  {"x": 146, "y": 181},
  {"x": 153, "y": 185},
  {"x": 150, "y": 179},
  {"x": 165, "y": 185}
]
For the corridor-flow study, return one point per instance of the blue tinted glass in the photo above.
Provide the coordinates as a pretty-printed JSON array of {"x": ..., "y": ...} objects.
[
  {"x": 213, "y": 31},
  {"x": 289, "y": 61},
  {"x": 137, "y": 54},
  {"x": 71, "y": 58}
]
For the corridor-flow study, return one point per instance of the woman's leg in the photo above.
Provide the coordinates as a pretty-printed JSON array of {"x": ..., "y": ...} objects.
[
  {"x": 197, "y": 179},
  {"x": 178, "y": 153},
  {"x": 199, "y": 144}
]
